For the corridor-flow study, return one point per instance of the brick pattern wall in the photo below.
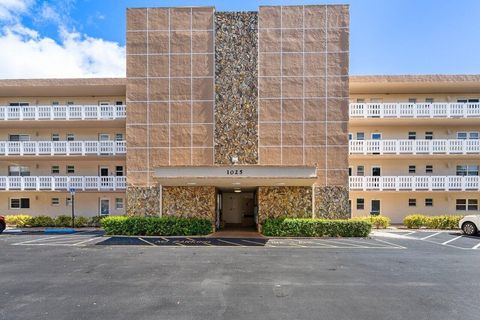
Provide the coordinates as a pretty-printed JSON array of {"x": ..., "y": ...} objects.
[
  {"x": 170, "y": 89},
  {"x": 303, "y": 88}
]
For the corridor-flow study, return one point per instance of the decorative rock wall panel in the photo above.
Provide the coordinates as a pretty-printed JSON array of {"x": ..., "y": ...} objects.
[
  {"x": 278, "y": 202},
  {"x": 143, "y": 201},
  {"x": 188, "y": 202},
  {"x": 331, "y": 202},
  {"x": 236, "y": 133}
]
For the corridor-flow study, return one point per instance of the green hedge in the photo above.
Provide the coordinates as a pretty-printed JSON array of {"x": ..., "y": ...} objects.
[
  {"x": 156, "y": 226},
  {"x": 23, "y": 221},
  {"x": 378, "y": 222},
  {"x": 315, "y": 228},
  {"x": 416, "y": 221}
]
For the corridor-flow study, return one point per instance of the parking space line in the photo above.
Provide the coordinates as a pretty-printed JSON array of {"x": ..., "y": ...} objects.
[
  {"x": 235, "y": 244},
  {"x": 391, "y": 244},
  {"x": 451, "y": 240},
  {"x": 408, "y": 233},
  {"x": 476, "y": 247},
  {"x": 150, "y": 243},
  {"x": 429, "y": 236},
  {"x": 85, "y": 241}
]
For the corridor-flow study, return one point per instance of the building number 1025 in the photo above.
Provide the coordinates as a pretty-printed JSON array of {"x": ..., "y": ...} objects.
[{"x": 234, "y": 172}]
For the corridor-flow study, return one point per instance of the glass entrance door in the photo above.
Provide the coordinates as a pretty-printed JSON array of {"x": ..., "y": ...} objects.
[{"x": 104, "y": 207}]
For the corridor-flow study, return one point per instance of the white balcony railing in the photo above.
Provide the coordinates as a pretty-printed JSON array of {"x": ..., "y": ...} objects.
[
  {"x": 415, "y": 110},
  {"x": 36, "y": 183},
  {"x": 431, "y": 147},
  {"x": 68, "y": 112},
  {"x": 68, "y": 148},
  {"x": 415, "y": 183}
]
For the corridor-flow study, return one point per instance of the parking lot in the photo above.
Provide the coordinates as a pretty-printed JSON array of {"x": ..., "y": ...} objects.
[{"x": 408, "y": 274}]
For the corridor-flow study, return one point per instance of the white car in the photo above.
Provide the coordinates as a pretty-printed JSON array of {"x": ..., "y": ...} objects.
[{"x": 470, "y": 224}]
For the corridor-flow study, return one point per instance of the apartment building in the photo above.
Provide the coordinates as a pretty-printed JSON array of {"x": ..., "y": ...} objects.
[
  {"x": 414, "y": 145},
  {"x": 237, "y": 117},
  {"x": 62, "y": 136}
]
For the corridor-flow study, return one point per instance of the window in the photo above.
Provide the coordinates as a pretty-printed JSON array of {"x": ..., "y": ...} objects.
[
  {"x": 18, "y": 104},
  {"x": 55, "y": 103},
  {"x": 119, "y": 103},
  {"x": 119, "y": 171},
  {"x": 376, "y": 171},
  {"x": 118, "y": 203},
  {"x": 360, "y": 203},
  {"x": 70, "y": 103},
  {"x": 350, "y": 171},
  {"x": 68, "y": 202},
  {"x": 467, "y": 100},
  {"x": 412, "y": 169},
  {"x": 429, "y": 100},
  {"x": 350, "y": 137},
  {"x": 412, "y": 135},
  {"x": 412, "y": 100},
  {"x": 70, "y": 169},
  {"x": 375, "y": 207},
  {"x": 360, "y": 100},
  {"x": 119, "y": 137},
  {"x": 467, "y": 204},
  {"x": 55, "y": 169},
  {"x": 360, "y": 170},
  {"x": 360, "y": 136},
  {"x": 428, "y": 135},
  {"x": 468, "y": 135},
  {"x": 376, "y": 136},
  {"x": 19, "y": 203},
  {"x": 70, "y": 137},
  {"x": 429, "y": 168},
  {"x": 18, "y": 171},
  {"x": 467, "y": 170},
  {"x": 412, "y": 202},
  {"x": 55, "y": 201},
  {"x": 55, "y": 137},
  {"x": 428, "y": 202},
  {"x": 18, "y": 137}
]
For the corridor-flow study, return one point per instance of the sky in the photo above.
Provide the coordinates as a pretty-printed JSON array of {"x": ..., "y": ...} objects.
[{"x": 86, "y": 38}]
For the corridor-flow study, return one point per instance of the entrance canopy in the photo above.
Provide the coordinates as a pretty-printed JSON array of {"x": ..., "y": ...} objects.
[{"x": 236, "y": 176}]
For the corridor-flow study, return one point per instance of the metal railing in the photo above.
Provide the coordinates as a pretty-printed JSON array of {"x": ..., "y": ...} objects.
[
  {"x": 68, "y": 148},
  {"x": 37, "y": 183},
  {"x": 415, "y": 183},
  {"x": 431, "y": 147},
  {"x": 415, "y": 110},
  {"x": 67, "y": 112}
]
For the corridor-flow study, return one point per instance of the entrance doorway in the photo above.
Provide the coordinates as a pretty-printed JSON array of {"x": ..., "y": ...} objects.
[{"x": 236, "y": 210}]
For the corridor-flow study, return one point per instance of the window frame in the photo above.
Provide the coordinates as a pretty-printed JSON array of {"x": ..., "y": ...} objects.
[
  {"x": 412, "y": 202},
  {"x": 21, "y": 203},
  {"x": 360, "y": 204}
]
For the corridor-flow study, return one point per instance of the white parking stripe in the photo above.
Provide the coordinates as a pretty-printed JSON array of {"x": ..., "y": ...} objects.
[
  {"x": 451, "y": 240},
  {"x": 409, "y": 233},
  {"x": 146, "y": 241},
  {"x": 477, "y": 246},
  {"x": 429, "y": 236},
  {"x": 235, "y": 244},
  {"x": 84, "y": 241},
  {"x": 391, "y": 244}
]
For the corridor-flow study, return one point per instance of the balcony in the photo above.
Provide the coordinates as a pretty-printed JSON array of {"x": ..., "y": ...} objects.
[
  {"x": 68, "y": 112},
  {"x": 415, "y": 183},
  {"x": 414, "y": 110},
  {"x": 62, "y": 183},
  {"x": 427, "y": 147},
  {"x": 62, "y": 148}
]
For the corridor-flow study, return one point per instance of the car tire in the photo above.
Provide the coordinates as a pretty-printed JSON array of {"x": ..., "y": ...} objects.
[{"x": 469, "y": 228}]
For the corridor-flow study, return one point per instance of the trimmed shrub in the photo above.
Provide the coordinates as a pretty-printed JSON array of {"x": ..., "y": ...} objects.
[
  {"x": 19, "y": 220},
  {"x": 95, "y": 221},
  {"x": 41, "y": 221},
  {"x": 63, "y": 221},
  {"x": 289, "y": 227},
  {"x": 155, "y": 226},
  {"x": 378, "y": 222},
  {"x": 443, "y": 222},
  {"x": 81, "y": 222},
  {"x": 432, "y": 222},
  {"x": 415, "y": 221}
]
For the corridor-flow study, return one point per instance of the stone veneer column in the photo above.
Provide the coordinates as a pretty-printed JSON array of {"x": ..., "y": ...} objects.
[
  {"x": 281, "y": 202},
  {"x": 188, "y": 202},
  {"x": 236, "y": 87}
]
